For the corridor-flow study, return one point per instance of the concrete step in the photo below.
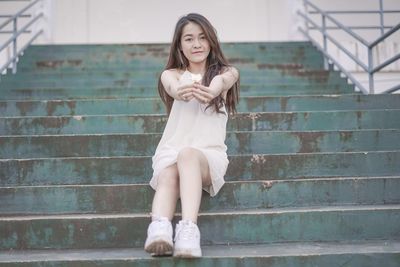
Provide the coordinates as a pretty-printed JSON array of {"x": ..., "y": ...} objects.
[
  {"x": 140, "y": 81},
  {"x": 157, "y": 60},
  {"x": 294, "y": 47},
  {"x": 126, "y": 170},
  {"x": 327, "y": 254},
  {"x": 266, "y": 142},
  {"x": 246, "y": 68},
  {"x": 161, "y": 46},
  {"x": 161, "y": 51},
  {"x": 258, "y": 121},
  {"x": 68, "y": 65},
  {"x": 143, "y": 49},
  {"x": 250, "y": 73},
  {"x": 308, "y": 224},
  {"x": 101, "y": 92},
  {"x": 234, "y": 195},
  {"x": 154, "y": 105},
  {"x": 126, "y": 57}
]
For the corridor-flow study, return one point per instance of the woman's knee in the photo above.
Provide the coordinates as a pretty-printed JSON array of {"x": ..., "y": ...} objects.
[
  {"x": 188, "y": 153},
  {"x": 169, "y": 177}
]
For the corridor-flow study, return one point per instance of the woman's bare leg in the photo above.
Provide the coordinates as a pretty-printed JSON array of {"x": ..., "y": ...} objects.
[
  {"x": 193, "y": 174},
  {"x": 167, "y": 193}
]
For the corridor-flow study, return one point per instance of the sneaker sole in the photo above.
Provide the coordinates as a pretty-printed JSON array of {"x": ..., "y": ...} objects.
[
  {"x": 159, "y": 247},
  {"x": 187, "y": 253}
]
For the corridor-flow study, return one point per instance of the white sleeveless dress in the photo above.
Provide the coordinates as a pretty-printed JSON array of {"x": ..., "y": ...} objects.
[{"x": 190, "y": 125}]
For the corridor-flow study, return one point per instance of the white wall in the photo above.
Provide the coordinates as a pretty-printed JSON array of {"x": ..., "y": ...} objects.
[
  {"x": 149, "y": 21},
  {"x": 138, "y": 21}
]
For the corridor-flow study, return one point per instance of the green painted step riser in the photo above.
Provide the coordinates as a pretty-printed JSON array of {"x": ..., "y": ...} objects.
[
  {"x": 117, "y": 93},
  {"x": 233, "y": 196},
  {"x": 146, "y": 66},
  {"x": 56, "y": 52},
  {"x": 153, "y": 82},
  {"x": 310, "y": 59},
  {"x": 69, "y": 67},
  {"x": 117, "y": 84},
  {"x": 246, "y": 74},
  {"x": 156, "y": 66},
  {"x": 130, "y": 84},
  {"x": 151, "y": 64},
  {"x": 77, "y": 63},
  {"x": 296, "y": 121},
  {"x": 112, "y": 50},
  {"x": 34, "y": 51},
  {"x": 150, "y": 77},
  {"x": 354, "y": 259},
  {"x": 244, "y": 167},
  {"x": 124, "y": 57},
  {"x": 120, "y": 232},
  {"x": 244, "y": 68},
  {"x": 237, "y": 143},
  {"x": 155, "y": 46},
  {"x": 155, "y": 105}
]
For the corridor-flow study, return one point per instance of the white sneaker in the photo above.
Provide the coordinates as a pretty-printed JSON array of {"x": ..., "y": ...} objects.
[
  {"x": 159, "y": 237},
  {"x": 187, "y": 240}
]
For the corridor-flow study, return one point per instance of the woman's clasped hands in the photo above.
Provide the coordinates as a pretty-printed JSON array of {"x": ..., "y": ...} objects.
[{"x": 196, "y": 90}]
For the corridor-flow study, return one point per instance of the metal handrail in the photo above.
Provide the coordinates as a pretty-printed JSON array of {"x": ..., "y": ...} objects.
[
  {"x": 370, "y": 69},
  {"x": 347, "y": 52},
  {"x": 19, "y": 13},
  {"x": 356, "y": 11},
  {"x": 16, "y": 33}
]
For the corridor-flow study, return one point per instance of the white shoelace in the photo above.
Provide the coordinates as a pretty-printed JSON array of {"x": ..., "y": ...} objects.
[
  {"x": 161, "y": 223},
  {"x": 185, "y": 231}
]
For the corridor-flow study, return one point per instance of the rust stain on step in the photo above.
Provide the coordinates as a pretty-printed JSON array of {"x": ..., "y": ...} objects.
[
  {"x": 309, "y": 141},
  {"x": 24, "y": 107}
]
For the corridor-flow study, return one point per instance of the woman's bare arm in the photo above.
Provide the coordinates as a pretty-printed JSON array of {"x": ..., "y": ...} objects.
[
  {"x": 229, "y": 78},
  {"x": 219, "y": 84},
  {"x": 170, "y": 83},
  {"x": 174, "y": 88}
]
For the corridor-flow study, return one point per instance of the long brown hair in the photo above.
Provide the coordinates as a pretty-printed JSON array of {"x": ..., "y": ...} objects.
[{"x": 216, "y": 63}]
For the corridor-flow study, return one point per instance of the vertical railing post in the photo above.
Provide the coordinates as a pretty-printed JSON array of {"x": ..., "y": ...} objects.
[
  {"x": 14, "y": 64},
  {"x": 370, "y": 74},
  {"x": 324, "y": 40},
  {"x": 381, "y": 16}
]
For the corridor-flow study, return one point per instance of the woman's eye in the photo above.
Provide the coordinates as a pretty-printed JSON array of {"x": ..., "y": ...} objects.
[{"x": 188, "y": 40}]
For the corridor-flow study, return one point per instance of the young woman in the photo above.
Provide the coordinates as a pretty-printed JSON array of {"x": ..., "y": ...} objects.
[{"x": 199, "y": 89}]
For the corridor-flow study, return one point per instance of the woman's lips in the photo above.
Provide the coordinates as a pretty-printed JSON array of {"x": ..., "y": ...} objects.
[{"x": 197, "y": 52}]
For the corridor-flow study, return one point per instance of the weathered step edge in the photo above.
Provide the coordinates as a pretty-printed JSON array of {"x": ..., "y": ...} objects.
[
  {"x": 234, "y": 195},
  {"x": 105, "y": 170},
  {"x": 338, "y": 223},
  {"x": 367, "y": 254}
]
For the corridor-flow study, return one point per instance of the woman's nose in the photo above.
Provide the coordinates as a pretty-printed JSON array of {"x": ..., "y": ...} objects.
[{"x": 197, "y": 43}]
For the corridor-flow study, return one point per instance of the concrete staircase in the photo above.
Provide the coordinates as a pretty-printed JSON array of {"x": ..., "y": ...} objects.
[{"x": 313, "y": 180}]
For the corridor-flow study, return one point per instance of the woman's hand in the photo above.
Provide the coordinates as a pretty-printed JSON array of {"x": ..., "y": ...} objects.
[
  {"x": 185, "y": 92},
  {"x": 203, "y": 93},
  {"x": 219, "y": 84}
]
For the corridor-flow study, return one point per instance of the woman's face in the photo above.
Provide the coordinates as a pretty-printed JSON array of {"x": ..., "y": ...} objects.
[{"x": 194, "y": 43}]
